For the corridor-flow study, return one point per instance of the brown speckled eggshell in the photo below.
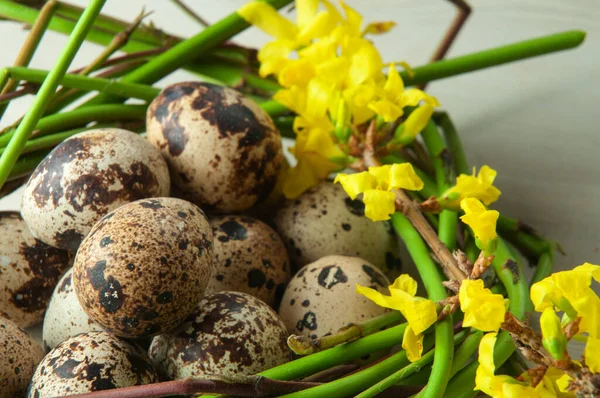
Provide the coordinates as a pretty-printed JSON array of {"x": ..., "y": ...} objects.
[
  {"x": 231, "y": 334},
  {"x": 90, "y": 362},
  {"x": 143, "y": 268},
  {"x": 64, "y": 317},
  {"x": 248, "y": 257},
  {"x": 19, "y": 356},
  {"x": 324, "y": 221},
  {"x": 321, "y": 298},
  {"x": 223, "y": 150},
  {"x": 85, "y": 177},
  {"x": 29, "y": 270}
]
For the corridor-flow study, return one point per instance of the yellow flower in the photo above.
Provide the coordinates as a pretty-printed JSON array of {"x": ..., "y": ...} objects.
[
  {"x": 592, "y": 354},
  {"x": 393, "y": 98},
  {"x": 420, "y": 313},
  {"x": 470, "y": 186},
  {"x": 481, "y": 221},
  {"x": 377, "y": 185},
  {"x": 570, "y": 291},
  {"x": 554, "y": 339},
  {"x": 497, "y": 386},
  {"x": 483, "y": 309}
]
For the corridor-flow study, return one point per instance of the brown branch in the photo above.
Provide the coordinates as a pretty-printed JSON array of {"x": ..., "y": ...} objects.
[
  {"x": 412, "y": 211},
  {"x": 369, "y": 150},
  {"x": 27, "y": 88},
  {"x": 245, "y": 386},
  {"x": 464, "y": 10},
  {"x": 191, "y": 13}
]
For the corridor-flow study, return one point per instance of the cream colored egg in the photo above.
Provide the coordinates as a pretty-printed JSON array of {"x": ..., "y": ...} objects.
[
  {"x": 324, "y": 221},
  {"x": 223, "y": 150},
  {"x": 248, "y": 257},
  {"x": 85, "y": 177},
  {"x": 90, "y": 362},
  {"x": 321, "y": 298},
  {"x": 231, "y": 334},
  {"x": 143, "y": 268},
  {"x": 64, "y": 317},
  {"x": 29, "y": 270},
  {"x": 19, "y": 356}
]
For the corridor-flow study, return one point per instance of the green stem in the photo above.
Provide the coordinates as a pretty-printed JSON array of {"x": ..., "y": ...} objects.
[
  {"x": 444, "y": 349},
  {"x": 406, "y": 371},
  {"x": 25, "y": 128},
  {"x": 125, "y": 90},
  {"x": 463, "y": 383},
  {"x": 466, "y": 351},
  {"x": 544, "y": 267},
  {"x": 274, "y": 108},
  {"x": 300, "y": 345},
  {"x": 526, "y": 240},
  {"x": 493, "y": 57},
  {"x": 81, "y": 117},
  {"x": 454, "y": 143},
  {"x": 27, "y": 163},
  {"x": 30, "y": 46},
  {"x": 188, "y": 50}
]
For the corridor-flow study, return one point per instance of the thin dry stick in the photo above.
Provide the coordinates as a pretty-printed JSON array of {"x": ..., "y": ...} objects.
[
  {"x": 251, "y": 386},
  {"x": 464, "y": 10},
  {"x": 31, "y": 43},
  {"x": 126, "y": 58},
  {"x": 191, "y": 13},
  {"x": 25, "y": 89}
]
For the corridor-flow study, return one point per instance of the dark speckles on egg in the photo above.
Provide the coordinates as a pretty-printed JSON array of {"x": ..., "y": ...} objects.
[
  {"x": 90, "y": 362},
  {"x": 325, "y": 290},
  {"x": 87, "y": 176},
  {"x": 234, "y": 162},
  {"x": 249, "y": 257},
  {"x": 114, "y": 289},
  {"x": 231, "y": 334}
]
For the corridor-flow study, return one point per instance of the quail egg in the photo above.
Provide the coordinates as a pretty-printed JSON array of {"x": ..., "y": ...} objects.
[
  {"x": 143, "y": 268},
  {"x": 321, "y": 298},
  {"x": 89, "y": 362},
  {"x": 223, "y": 150},
  {"x": 231, "y": 334},
  {"x": 85, "y": 177},
  {"x": 325, "y": 221},
  {"x": 64, "y": 317},
  {"x": 19, "y": 355},
  {"x": 29, "y": 270},
  {"x": 248, "y": 257}
]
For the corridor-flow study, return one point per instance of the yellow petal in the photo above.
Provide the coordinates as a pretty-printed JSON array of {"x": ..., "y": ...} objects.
[
  {"x": 306, "y": 11},
  {"x": 592, "y": 354},
  {"x": 377, "y": 28},
  {"x": 417, "y": 120},
  {"x": 412, "y": 96},
  {"x": 298, "y": 179},
  {"x": 388, "y": 110},
  {"x": 381, "y": 175},
  {"x": 273, "y": 56},
  {"x": 320, "y": 93},
  {"x": 412, "y": 344},
  {"x": 563, "y": 383},
  {"x": 402, "y": 175},
  {"x": 266, "y": 18},
  {"x": 379, "y": 205},
  {"x": 483, "y": 309},
  {"x": 406, "y": 284},
  {"x": 365, "y": 63},
  {"x": 321, "y": 25},
  {"x": 514, "y": 389},
  {"x": 378, "y": 298},
  {"x": 297, "y": 72},
  {"x": 353, "y": 19},
  {"x": 293, "y": 98},
  {"x": 419, "y": 312},
  {"x": 486, "y": 352},
  {"x": 394, "y": 86},
  {"x": 355, "y": 184},
  {"x": 478, "y": 187},
  {"x": 481, "y": 221}
]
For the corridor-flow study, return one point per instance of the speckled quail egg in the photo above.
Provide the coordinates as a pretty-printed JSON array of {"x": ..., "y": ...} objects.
[
  {"x": 223, "y": 150},
  {"x": 325, "y": 221},
  {"x": 19, "y": 356},
  {"x": 29, "y": 270},
  {"x": 321, "y": 298},
  {"x": 64, "y": 317},
  {"x": 231, "y": 334},
  {"x": 87, "y": 176},
  {"x": 89, "y": 362},
  {"x": 248, "y": 257},
  {"x": 143, "y": 268}
]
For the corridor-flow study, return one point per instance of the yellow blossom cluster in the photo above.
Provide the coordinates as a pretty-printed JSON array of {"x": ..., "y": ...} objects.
[{"x": 332, "y": 78}]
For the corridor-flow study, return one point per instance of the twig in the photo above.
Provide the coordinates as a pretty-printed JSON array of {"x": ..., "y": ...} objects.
[
  {"x": 248, "y": 386},
  {"x": 332, "y": 373},
  {"x": 127, "y": 57},
  {"x": 464, "y": 10},
  {"x": 31, "y": 43},
  {"x": 191, "y": 13},
  {"x": 369, "y": 151},
  {"x": 412, "y": 211},
  {"x": 26, "y": 89}
]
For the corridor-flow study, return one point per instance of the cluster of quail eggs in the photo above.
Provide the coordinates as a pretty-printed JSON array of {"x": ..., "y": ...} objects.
[{"x": 137, "y": 281}]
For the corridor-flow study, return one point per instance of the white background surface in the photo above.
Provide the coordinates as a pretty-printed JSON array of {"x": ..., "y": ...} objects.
[{"x": 534, "y": 121}]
